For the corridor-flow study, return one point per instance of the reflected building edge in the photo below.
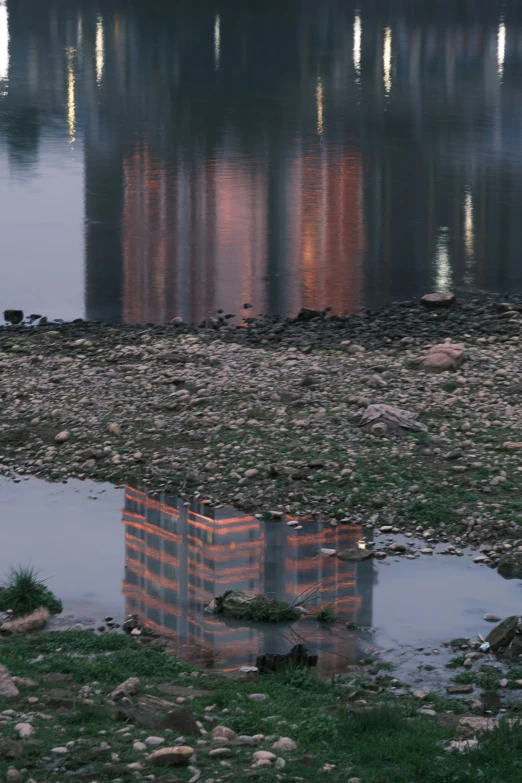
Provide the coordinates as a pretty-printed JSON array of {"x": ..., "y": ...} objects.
[{"x": 178, "y": 557}]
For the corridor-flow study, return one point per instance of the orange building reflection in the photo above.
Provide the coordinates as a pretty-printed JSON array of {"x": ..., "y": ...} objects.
[
  {"x": 212, "y": 232},
  {"x": 178, "y": 557}
]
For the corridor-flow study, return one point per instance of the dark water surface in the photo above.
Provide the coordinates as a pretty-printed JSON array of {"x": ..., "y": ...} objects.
[
  {"x": 169, "y": 158},
  {"x": 119, "y": 551}
]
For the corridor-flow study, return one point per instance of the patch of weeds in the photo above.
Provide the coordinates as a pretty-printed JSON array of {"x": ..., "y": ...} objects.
[
  {"x": 449, "y": 386},
  {"x": 351, "y": 625},
  {"x": 465, "y": 678},
  {"x": 383, "y": 666},
  {"x": 326, "y": 614},
  {"x": 456, "y": 662},
  {"x": 261, "y": 609},
  {"x": 23, "y": 592},
  {"x": 489, "y": 681}
]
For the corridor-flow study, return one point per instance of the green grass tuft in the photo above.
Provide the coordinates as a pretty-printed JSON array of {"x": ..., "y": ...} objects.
[
  {"x": 23, "y": 593},
  {"x": 326, "y": 614}
]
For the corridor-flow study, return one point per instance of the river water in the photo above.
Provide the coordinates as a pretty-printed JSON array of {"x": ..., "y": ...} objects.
[
  {"x": 171, "y": 158},
  {"x": 118, "y": 551}
]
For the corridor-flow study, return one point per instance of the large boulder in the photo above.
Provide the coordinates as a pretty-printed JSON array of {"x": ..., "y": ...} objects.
[
  {"x": 395, "y": 418},
  {"x": 438, "y": 300},
  {"x": 510, "y": 566},
  {"x": 355, "y": 555},
  {"x": 514, "y": 650},
  {"x": 503, "y": 633},
  {"x": 444, "y": 357}
]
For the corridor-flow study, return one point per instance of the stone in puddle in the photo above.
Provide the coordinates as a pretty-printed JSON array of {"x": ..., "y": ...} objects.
[
  {"x": 457, "y": 689},
  {"x": 503, "y": 634},
  {"x": 354, "y": 555},
  {"x": 492, "y": 618},
  {"x": 172, "y": 757},
  {"x": 510, "y": 566}
]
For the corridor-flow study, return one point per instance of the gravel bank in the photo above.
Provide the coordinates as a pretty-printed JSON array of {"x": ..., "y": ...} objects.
[{"x": 268, "y": 417}]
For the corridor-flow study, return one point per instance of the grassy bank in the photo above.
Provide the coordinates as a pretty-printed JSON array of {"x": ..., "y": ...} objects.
[{"x": 352, "y": 728}]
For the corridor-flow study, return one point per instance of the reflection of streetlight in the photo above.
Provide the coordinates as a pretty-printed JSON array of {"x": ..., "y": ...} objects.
[
  {"x": 319, "y": 101},
  {"x": 4, "y": 42},
  {"x": 99, "y": 50},
  {"x": 357, "y": 36},
  {"x": 443, "y": 273},
  {"x": 469, "y": 234},
  {"x": 387, "y": 59},
  {"x": 71, "y": 102},
  {"x": 217, "y": 40},
  {"x": 501, "y": 47}
]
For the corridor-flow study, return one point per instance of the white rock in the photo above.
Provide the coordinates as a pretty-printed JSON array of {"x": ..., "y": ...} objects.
[
  {"x": 7, "y": 687},
  {"x": 139, "y": 746},
  {"x": 285, "y": 743},
  {"x": 264, "y": 755},
  {"x": 62, "y": 437},
  {"x": 220, "y": 752},
  {"x": 223, "y": 732},
  {"x": 280, "y": 763},
  {"x": 327, "y": 552},
  {"x": 463, "y": 745},
  {"x": 59, "y": 750},
  {"x": 258, "y": 697},
  {"x": 24, "y": 730},
  {"x": 492, "y": 618},
  {"x": 153, "y": 741}
]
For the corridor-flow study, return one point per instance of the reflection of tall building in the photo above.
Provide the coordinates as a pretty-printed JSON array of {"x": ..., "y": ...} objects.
[
  {"x": 349, "y": 155},
  {"x": 178, "y": 557}
]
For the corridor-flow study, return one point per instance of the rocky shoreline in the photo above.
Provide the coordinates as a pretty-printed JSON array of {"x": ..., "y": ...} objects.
[{"x": 267, "y": 416}]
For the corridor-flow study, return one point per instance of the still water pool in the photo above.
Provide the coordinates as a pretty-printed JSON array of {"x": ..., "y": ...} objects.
[{"x": 115, "y": 551}]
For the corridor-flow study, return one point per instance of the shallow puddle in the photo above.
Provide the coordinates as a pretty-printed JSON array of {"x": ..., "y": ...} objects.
[{"x": 118, "y": 551}]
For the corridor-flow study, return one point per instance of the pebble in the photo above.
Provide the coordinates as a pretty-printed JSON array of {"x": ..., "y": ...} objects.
[
  {"x": 221, "y": 752},
  {"x": 140, "y": 746},
  {"x": 223, "y": 732},
  {"x": 258, "y": 697},
  {"x": 154, "y": 741},
  {"x": 264, "y": 755},
  {"x": 492, "y": 618},
  {"x": 285, "y": 743},
  {"x": 59, "y": 750},
  {"x": 25, "y": 730}
]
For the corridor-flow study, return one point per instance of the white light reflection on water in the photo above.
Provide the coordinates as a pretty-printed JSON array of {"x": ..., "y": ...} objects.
[
  {"x": 71, "y": 100},
  {"x": 100, "y": 54},
  {"x": 443, "y": 271},
  {"x": 217, "y": 41},
  {"x": 387, "y": 59},
  {"x": 319, "y": 101},
  {"x": 501, "y": 47},
  {"x": 4, "y": 42},
  {"x": 357, "y": 39}
]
